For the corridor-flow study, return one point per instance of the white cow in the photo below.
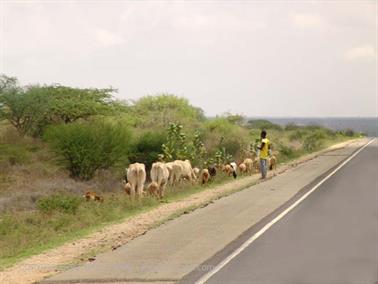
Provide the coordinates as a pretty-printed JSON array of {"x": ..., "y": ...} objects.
[
  {"x": 159, "y": 177},
  {"x": 136, "y": 177},
  {"x": 187, "y": 170}
]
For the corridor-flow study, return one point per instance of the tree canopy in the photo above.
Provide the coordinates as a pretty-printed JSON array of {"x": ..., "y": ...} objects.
[
  {"x": 159, "y": 111},
  {"x": 30, "y": 109}
]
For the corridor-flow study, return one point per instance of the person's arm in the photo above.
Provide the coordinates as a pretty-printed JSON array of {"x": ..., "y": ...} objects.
[{"x": 262, "y": 146}]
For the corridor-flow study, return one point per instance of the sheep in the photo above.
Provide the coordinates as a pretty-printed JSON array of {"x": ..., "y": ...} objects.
[
  {"x": 196, "y": 171},
  {"x": 249, "y": 165},
  {"x": 242, "y": 168},
  {"x": 90, "y": 195},
  {"x": 205, "y": 176},
  {"x": 256, "y": 165},
  {"x": 212, "y": 171},
  {"x": 234, "y": 168},
  {"x": 126, "y": 187},
  {"x": 153, "y": 189},
  {"x": 272, "y": 162}
]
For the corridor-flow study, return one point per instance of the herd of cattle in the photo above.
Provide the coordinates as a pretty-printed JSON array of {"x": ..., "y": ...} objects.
[{"x": 178, "y": 171}]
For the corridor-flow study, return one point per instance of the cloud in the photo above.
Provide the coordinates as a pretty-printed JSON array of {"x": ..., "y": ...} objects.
[
  {"x": 308, "y": 21},
  {"x": 365, "y": 52},
  {"x": 108, "y": 38}
]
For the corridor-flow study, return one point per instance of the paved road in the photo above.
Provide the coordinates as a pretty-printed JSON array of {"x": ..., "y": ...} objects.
[{"x": 331, "y": 237}]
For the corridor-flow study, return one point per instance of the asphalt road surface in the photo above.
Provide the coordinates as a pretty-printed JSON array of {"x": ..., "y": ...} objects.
[{"x": 331, "y": 237}]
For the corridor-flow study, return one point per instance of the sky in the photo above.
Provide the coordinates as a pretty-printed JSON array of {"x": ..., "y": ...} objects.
[{"x": 256, "y": 58}]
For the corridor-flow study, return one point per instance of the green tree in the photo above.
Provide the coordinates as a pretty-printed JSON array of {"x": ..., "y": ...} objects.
[
  {"x": 159, "y": 111},
  {"x": 21, "y": 110},
  {"x": 31, "y": 109}
]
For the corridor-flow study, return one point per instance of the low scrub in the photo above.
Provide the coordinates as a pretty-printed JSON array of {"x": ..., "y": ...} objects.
[
  {"x": 59, "y": 202},
  {"x": 14, "y": 154}
]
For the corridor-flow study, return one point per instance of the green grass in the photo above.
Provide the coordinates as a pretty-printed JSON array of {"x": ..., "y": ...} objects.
[{"x": 23, "y": 234}]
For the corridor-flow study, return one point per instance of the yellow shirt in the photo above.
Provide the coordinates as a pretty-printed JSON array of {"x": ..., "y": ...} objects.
[{"x": 264, "y": 152}]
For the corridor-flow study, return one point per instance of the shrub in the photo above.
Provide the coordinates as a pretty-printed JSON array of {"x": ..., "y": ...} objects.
[
  {"x": 263, "y": 124},
  {"x": 286, "y": 152},
  {"x": 292, "y": 126},
  {"x": 59, "y": 202},
  {"x": 220, "y": 132},
  {"x": 87, "y": 147},
  {"x": 349, "y": 132},
  {"x": 297, "y": 134},
  {"x": 147, "y": 148},
  {"x": 313, "y": 141},
  {"x": 176, "y": 146},
  {"x": 14, "y": 154}
]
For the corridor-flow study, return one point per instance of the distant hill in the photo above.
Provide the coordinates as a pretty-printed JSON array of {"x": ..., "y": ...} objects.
[{"x": 366, "y": 125}]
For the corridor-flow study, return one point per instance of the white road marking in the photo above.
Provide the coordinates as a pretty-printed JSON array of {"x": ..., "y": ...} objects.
[{"x": 224, "y": 262}]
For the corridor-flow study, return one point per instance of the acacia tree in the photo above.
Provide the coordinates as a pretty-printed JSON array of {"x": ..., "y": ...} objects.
[
  {"x": 20, "y": 110},
  {"x": 31, "y": 109}
]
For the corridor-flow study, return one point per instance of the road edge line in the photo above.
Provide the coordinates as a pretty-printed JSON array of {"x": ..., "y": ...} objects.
[{"x": 236, "y": 252}]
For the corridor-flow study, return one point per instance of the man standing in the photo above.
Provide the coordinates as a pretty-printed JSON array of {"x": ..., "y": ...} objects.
[{"x": 264, "y": 154}]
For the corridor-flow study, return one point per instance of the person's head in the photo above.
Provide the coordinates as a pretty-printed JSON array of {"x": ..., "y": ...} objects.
[{"x": 263, "y": 134}]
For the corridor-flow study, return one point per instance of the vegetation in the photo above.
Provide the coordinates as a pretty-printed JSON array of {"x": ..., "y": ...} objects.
[
  {"x": 31, "y": 108},
  {"x": 56, "y": 142},
  {"x": 87, "y": 147}
]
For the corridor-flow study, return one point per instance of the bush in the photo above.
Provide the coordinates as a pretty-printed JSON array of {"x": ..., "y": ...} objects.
[
  {"x": 87, "y": 147},
  {"x": 263, "y": 124},
  {"x": 147, "y": 148},
  {"x": 59, "y": 202},
  {"x": 220, "y": 132},
  {"x": 297, "y": 134},
  {"x": 292, "y": 126},
  {"x": 314, "y": 141},
  {"x": 286, "y": 153},
  {"x": 349, "y": 132}
]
